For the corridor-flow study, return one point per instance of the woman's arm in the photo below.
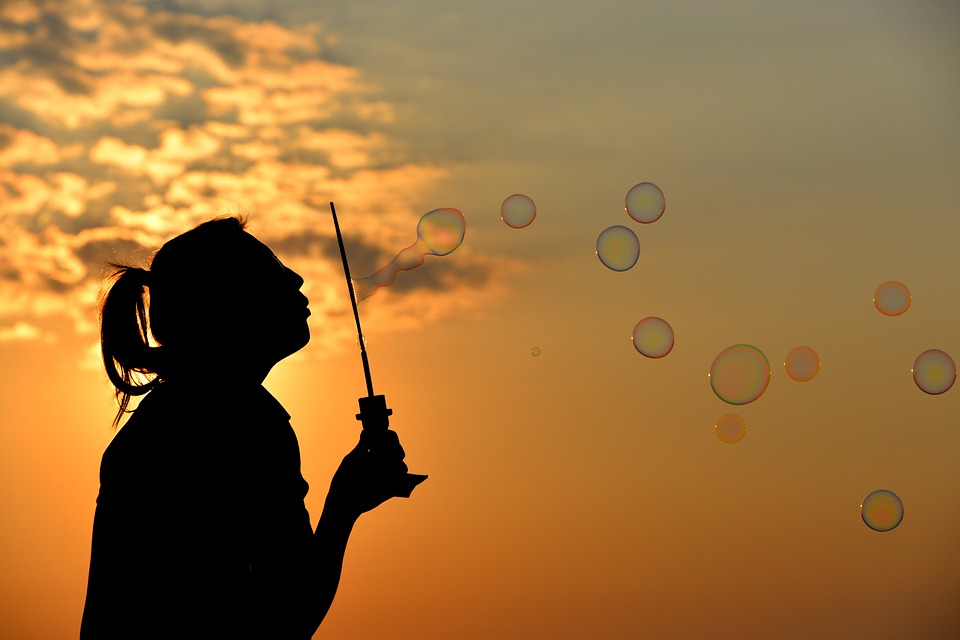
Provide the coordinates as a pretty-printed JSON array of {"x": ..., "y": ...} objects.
[
  {"x": 372, "y": 473},
  {"x": 330, "y": 541}
]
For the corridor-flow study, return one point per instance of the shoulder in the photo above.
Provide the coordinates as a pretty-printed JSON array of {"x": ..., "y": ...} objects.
[
  {"x": 176, "y": 422},
  {"x": 142, "y": 445}
]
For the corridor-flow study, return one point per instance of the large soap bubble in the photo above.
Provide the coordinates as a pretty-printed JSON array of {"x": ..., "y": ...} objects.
[
  {"x": 518, "y": 211},
  {"x": 645, "y": 202},
  {"x": 882, "y": 510},
  {"x": 934, "y": 371},
  {"x": 740, "y": 374},
  {"x": 618, "y": 248},
  {"x": 653, "y": 337}
]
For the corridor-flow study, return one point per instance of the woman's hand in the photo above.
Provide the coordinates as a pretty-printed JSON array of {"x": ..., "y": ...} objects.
[
  {"x": 372, "y": 473},
  {"x": 369, "y": 475}
]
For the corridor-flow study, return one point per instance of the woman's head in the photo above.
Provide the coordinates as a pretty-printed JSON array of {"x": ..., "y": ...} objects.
[{"x": 215, "y": 298}]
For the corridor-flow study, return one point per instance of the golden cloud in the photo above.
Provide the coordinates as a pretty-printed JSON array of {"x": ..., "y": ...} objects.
[
  {"x": 24, "y": 332},
  {"x": 125, "y": 126}
]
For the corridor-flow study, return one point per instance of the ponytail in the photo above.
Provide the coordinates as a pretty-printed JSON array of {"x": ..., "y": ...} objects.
[
  {"x": 124, "y": 336},
  {"x": 182, "y": 273}
]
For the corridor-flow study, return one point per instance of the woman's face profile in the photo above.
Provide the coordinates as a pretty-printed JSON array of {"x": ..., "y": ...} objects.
[
  {"x": 223, "y": 299},
  {"x": 268, "y": 307}
]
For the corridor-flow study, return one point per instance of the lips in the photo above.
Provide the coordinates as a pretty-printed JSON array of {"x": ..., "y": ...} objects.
[{"x": 306, "y": 307}]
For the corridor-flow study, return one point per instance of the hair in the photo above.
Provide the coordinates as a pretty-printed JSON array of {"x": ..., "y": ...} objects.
[{"x": 146, "y": 315}]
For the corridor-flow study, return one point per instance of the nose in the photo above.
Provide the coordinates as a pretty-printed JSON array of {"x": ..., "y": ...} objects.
[
  {"x": 297, "y": 281},
  {"x": 294, "y": 277}
]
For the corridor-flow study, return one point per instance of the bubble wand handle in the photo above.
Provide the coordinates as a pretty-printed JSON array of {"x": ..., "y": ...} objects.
[{"x": 373, "y": 409}]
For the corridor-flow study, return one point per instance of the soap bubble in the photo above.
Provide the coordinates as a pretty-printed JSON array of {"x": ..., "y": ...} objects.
[
  {"x": 653, "y": 337},
  {"x": 740, "y": 374},
  {"x": 802, "y": 364},
  {"x": 618, "y": 248},
  {"x": 441, "y": 230},
  {"x": 882, "y": 510},
  {"x": 535, "y": 351},
  {"x": 934, "y": 371},
  {"x": 645, "y": 202},
  {"x": 439, "y": 233},
  {"x": 892, "y": 298},
  {"x": 518, "y": 211},
  {"x": 731, "y": 428}
]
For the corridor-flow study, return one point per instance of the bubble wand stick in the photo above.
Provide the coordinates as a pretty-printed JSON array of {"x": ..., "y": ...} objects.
[{"x": 373, "y": 409}]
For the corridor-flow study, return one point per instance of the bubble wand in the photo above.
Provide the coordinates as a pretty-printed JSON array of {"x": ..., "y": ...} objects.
[{"x": 374, "y": 413}]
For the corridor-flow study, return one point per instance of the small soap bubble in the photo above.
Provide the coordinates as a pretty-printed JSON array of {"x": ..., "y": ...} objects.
[
  {"x": 518, "y": 211},
  {"x": 645, "y": 202},
  {"x": 882, "y": 510},
  {"x": 740, "y": 374},
  {"x": 731, "y": 428},
  {"x": 653, "y": 337},
  {"x": 535, "y": 351},
  {"x": 802, "y": 364},
  {"x": 892, "y": 298},
  {"x": 934, "y": 371},
  {"x": 618, "y": 248}
]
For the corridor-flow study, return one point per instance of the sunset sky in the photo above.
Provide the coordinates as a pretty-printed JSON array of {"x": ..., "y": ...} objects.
[{"x": 808, "y": 152}]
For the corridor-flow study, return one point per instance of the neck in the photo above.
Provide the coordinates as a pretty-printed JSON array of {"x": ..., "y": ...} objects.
[{"x": 229, "y": 367}]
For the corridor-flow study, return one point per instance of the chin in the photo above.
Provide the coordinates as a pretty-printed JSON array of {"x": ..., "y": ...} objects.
[
  {"x": 299, "y": 339},
  {"x": 291, "y": 338}
]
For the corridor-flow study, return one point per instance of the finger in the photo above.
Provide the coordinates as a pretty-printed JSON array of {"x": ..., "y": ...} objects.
[
  {"x": 392, "y": 446},
  {"x": 383, "y": 445},
  {"x": 379, "y": 438},
  {"x": 407, "y": 483}
]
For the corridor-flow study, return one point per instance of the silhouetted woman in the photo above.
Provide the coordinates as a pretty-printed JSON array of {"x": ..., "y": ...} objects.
[{"x": 200, "y": 528}]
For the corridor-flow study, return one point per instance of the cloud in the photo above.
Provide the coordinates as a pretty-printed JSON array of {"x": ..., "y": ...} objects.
[
  {"x": 20, "y": 147},
  {"x": 24, "y": 332},
  {"x": 125, "y": 125}
]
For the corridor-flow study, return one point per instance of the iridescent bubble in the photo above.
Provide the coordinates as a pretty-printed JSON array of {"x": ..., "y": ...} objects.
[
  {"x": 645, "y": 202},
  {"x": 535, "y": 351},
  {"x": 518, "y": 211},
  {"x": 740, "y": 374},
  {"x": 618, "y": 248},
  {"x": 731, "y": 428},
  {"x": 892, "y": 298},
  {"x": 934, "y": 371},
  {"x": 439, "y": 232},
  {"x": 802, "y": 363},
  {"x": 653, "y": 337},
  {"x": 882, "y": 510}
]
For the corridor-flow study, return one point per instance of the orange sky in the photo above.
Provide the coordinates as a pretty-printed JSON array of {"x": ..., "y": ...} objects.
[{"x": 808, "y": 152}]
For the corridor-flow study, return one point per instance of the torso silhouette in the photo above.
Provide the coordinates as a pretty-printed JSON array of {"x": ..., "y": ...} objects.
[{"x": 200, "y": 528}]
